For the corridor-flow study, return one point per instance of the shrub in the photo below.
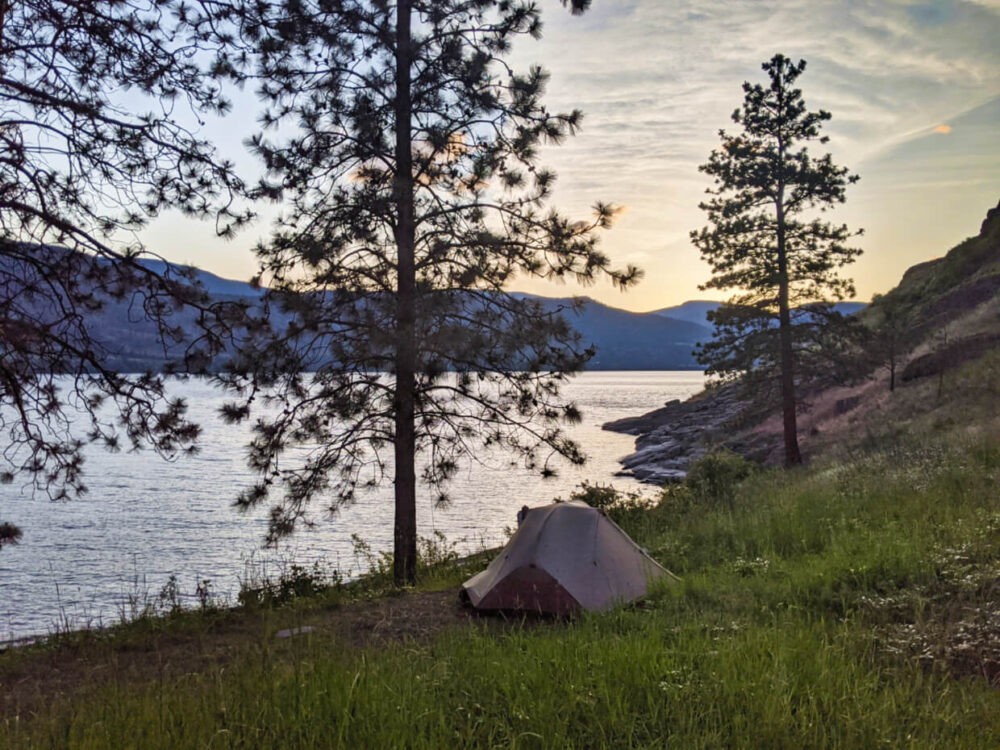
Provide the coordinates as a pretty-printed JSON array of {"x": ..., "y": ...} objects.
[
  {"x": 713, "y": 478},
  {"x": 294, "y": 582},
  {"x": 627, "y": 509}
]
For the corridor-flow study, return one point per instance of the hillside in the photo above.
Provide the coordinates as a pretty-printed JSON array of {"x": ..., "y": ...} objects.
[
  {"x": 935, "y": 293},
  {"x": 633, "y": 341},
  {"x": 696, "y": 311},
  {"x": 693, "y": 311},
  {"x": 948, "y": 365},
  {"x": 623, "y": 340},
  {"x": 663, "y": 339}
]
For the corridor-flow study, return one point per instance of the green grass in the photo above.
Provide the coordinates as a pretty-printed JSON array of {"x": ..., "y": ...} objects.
[
  {"x": 619, "y": 681},
  {"x": 847, "y": 605}
]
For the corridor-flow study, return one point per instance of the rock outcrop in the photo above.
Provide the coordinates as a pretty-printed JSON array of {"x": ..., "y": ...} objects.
[
  {"x": 991, "y": 222},
  {"x": 672, "y": 437}
]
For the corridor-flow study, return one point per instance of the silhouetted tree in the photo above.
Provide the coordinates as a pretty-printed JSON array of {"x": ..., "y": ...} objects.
[
  {"x": 765, "y": 238},
  {"x": 746, "y": 347},
  {"x": 90, "y": 148},
  {"x": 891, "y": 336},
  {"x": 413, "y": 198}
]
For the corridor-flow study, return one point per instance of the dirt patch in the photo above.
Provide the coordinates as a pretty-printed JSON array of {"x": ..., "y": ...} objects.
[
  {"x": 40, "y": 675},
  {"x": 410, "y": 617}
]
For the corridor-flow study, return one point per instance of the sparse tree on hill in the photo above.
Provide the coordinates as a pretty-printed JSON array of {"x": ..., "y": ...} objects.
[
  {"x": 90, "y": 148},
  {"x": 892, "y": 334},
  {"x": 766, "y": 239},
  {"x": 413, "y": 198}
]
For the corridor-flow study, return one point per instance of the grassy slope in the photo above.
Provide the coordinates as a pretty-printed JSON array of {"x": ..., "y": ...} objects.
[
  {"x": 852, "y": 604},
  {"x": 975, "y": 258},
  {"x": 941, "y": 303},
  {"x": 932, "y": 294}
]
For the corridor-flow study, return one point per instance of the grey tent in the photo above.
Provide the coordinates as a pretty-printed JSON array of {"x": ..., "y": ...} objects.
[{"x": 563, "y": 557}]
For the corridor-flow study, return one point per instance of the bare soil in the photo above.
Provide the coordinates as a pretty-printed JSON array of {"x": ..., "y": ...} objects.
[{"x": 38, "y": 675}]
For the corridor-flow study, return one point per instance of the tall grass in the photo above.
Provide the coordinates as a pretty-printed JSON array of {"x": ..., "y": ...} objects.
[
  {"x": 818, "y": 609},
  {"x": 617, "y": 681}
]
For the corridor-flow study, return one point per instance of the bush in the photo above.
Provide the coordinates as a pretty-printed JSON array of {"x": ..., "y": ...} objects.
[
  {"x": 713, "y": 478},
  {"x": 627, "y": 509},
  {"x": 294, "y": 582}
]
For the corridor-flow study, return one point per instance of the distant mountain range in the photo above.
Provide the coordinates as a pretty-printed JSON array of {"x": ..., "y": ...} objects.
[
  {"x": 633, "y": 341},
  {"x": 663, "y": 339},
  {"x": 623, "y": 340},
  {"x": 696, "y": 311},
  {"x": 693, "y": 311}
]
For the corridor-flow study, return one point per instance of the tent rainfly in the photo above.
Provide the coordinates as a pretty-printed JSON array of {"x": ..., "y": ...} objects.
[{"x": 564, "y": 557}]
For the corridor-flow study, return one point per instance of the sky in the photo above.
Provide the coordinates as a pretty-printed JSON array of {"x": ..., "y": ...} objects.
[{"x": 914, "y": 90}]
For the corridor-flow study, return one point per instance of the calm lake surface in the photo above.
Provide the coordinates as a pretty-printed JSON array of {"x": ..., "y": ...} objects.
[{"x": 145, "y": 519}]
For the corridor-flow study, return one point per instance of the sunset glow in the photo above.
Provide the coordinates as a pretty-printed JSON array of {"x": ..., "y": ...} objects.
[{"x": 656, "y": 81}]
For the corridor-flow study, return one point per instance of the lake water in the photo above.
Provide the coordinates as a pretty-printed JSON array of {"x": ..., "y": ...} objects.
[{"x": 145, "y": 519}]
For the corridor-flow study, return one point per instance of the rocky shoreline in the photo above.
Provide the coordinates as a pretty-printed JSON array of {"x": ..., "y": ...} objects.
[{"x": 669, "y": 439}]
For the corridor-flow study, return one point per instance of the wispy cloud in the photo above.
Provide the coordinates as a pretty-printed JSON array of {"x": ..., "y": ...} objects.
[{"x": 657, "y": 80}]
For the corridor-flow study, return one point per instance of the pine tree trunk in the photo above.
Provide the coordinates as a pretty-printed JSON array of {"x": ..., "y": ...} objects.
[
  {"x": 405, "y": 526},
  {"x": 792, "y": 454}
]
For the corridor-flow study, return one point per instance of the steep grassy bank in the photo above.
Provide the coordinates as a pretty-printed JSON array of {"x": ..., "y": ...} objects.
[
  {"x": 927, "y": 346},
  {"x": 852, "y": 604}
]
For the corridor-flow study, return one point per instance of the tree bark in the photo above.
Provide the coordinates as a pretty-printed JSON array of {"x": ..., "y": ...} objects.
[
  {"x": 792, "y": 454},
  {"x": 405, "y": 525}
]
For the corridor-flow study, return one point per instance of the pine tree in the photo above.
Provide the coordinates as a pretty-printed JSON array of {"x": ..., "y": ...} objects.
[
  {"x": 93, "y": 143},
  {"x": 766, "y": 239},
  {"x": 892, "y": 335},
  {"x": 405, "y": 149}
]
